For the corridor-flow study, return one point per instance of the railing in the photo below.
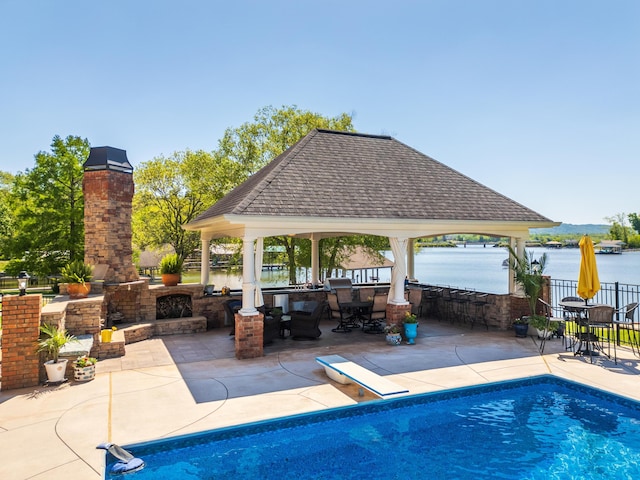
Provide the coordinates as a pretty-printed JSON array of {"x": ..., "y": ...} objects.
[{"x": 615, "y": 294}]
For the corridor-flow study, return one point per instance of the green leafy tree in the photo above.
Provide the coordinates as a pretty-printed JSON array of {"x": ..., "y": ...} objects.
[
  {"x": 253, "y": 145},
  {"x": 6, "y": 207},
  {"x": 618, "y": 230},
  {"x": 634, "y": 219},
  {"x": 48, "y": 228},
  {"x": 172, "y": 191}
]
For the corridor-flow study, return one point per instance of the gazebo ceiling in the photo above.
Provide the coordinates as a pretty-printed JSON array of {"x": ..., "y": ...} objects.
[{"x": 338, "y": 183}]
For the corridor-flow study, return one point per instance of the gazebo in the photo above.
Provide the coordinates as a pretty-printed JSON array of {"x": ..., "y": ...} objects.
[{"x": 334, "y": 183}]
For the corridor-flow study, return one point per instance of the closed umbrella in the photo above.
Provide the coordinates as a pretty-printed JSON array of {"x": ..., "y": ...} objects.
[{"x": 588, "y": 281}]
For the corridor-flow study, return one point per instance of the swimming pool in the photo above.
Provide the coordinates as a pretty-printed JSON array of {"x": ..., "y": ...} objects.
[{"x": 538, "y": 428}]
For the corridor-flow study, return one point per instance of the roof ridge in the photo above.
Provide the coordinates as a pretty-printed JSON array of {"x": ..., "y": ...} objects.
[{"x": 354, "y": 134}]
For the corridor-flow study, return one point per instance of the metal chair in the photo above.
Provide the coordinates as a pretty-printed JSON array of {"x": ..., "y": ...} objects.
[
  {"x": 548, "y": 313},
  {"x": 600, "y": 323},
  {"x": 340, "y": 315},
  {"x": 629, "y": 325},
  {"x": 572, "y": 318},
  {"x": 377, "y": 314},
  {"x": 479, "y": 303}
]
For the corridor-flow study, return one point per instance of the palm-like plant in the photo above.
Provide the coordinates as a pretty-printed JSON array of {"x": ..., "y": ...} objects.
[
  {"x": 528, "y": 274},
  {"x": 53, "y": 340},
  {"x": 76, "y": 272}
]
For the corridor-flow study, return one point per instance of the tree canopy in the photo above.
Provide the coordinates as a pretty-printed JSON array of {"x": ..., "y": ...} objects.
[
  {"x": 172, "y": 191},
  {"x": 48, "y": 206}
]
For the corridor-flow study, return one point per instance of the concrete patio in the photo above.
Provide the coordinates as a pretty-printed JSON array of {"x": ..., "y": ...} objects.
[{"x": 182, "y": 384}]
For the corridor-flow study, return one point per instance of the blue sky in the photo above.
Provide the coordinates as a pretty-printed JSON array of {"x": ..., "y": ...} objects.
[{"x": 538, "y": 100}]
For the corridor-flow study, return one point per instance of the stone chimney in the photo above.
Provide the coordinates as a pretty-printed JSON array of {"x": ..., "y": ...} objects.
[{"x": 108, "y": 195}]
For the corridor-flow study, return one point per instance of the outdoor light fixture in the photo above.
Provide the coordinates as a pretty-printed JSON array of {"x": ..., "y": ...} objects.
[
  {"x": 23, "y": 279},
  {"x": 535, "y": 266}
]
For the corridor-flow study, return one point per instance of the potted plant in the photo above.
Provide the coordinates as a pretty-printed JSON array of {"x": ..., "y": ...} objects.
[
  {"x": 76, "y": 275},
  {"x": 52, "y": 339},
  {"x": 528, "y": 274},
  {"x": 410, "y": 323},
  {"x": 393, "y": 336},
  {"x": 84, "y": 368},
  {"x": 170, "y": 269}
]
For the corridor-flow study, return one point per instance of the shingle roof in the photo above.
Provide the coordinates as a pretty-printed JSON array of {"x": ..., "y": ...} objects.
[{"x": 352, "y": 175}]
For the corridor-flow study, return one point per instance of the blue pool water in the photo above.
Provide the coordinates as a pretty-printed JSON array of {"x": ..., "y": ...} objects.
[{"x": 539, "y": 428}]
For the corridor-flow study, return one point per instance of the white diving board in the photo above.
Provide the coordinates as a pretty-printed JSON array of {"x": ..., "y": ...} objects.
[{"x": 344, "y": 371}]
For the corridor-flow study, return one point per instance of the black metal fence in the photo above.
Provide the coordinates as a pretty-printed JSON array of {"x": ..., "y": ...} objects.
[{"x": 615, "y": 294}]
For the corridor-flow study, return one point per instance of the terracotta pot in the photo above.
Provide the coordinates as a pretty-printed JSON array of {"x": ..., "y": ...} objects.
[
  {"x": 170, "y": 279},
  {"x": 78, "y": 290}
]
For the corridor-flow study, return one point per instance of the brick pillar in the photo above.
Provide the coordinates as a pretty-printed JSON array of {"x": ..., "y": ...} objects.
[
  {"x": 20, "y": 330},
  {"x": 396, "y": 313},
  {"x": 107, "y": 224},
  {"x": 249, "y": 336}
]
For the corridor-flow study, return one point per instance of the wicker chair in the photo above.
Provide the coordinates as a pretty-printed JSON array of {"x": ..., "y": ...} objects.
[{"x": 305, "y": 325}]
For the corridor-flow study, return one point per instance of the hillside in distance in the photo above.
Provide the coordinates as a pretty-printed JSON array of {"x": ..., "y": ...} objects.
[{"x": 570, "y": 229}]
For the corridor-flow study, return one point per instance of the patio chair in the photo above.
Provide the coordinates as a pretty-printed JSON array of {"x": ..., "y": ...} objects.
[
  {"x": 573, "y": 319},
  {"x": 271, "y": 329},
  {"x": 377, "y": 314},
  {"x": 342, "y": 316},
  {"x": 305, "y": 325},
  {"x": 600, "y": 323},
  {"x": 230, "y": 309},
  {"x": 629, "y": 325},
  {"x": 549, "y": 314},
  {"x": 415, "y": 299}
]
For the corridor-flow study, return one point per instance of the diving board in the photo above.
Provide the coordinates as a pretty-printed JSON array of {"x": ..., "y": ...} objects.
[{"x": 344, "y": 371}]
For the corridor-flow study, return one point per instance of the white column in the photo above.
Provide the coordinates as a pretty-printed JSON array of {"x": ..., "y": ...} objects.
[
  {"x": 248, "y": 278},
  {"x": 315, "y": 260},
  {"x": 204, "y": 259},
  {"x": 517, "y": 244},
  {"x": 411, "y": 261},
  {"x": 399, "y": 250}
]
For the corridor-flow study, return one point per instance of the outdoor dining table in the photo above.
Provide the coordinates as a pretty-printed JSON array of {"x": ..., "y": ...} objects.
[
  {"x": 359, "y": 310},
  {"x": 587, "y": 338}
]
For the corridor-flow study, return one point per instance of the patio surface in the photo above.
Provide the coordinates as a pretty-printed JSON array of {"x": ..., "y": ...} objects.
[{"x": 181, "y": 384}]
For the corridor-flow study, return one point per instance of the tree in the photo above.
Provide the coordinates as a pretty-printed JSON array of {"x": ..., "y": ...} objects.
[
  {"x": 618, "y": 229},
  {"x": 634, "y": 219},
  {"x": 173, "y": 191},
  {"x": 6, "y": 209},
  {"x": 49, "y": 206},
  {"x": 253, "y": 145}
]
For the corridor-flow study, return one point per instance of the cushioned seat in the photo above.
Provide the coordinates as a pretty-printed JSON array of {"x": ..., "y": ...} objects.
[{"x": 305, "y": 325}]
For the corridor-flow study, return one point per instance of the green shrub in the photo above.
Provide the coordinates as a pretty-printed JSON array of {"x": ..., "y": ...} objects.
[
  {"x": 76, "y": 272},
  {"x": 171, "y": 263}
]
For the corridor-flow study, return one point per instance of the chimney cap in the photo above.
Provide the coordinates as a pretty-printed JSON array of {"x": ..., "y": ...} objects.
[{"x": 108, "y": 158}]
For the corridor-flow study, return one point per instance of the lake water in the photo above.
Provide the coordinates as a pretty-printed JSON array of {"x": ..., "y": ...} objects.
[{"x": 477, "y": 268}]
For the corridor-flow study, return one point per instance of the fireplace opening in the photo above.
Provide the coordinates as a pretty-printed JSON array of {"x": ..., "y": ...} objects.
[{"x": 173, "y": 306}]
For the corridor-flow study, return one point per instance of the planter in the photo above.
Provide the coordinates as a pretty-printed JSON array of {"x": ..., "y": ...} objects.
[
  {"x": 170, "y": 279},
  {"x": 78, "y": 290},
  {"x": 393, "y": 338},
  {"x": 521, "y": 329},
  {"x": 411, "y": 332},
  {"x": 84, "y": 374},
  {"x": 55, "y": 371},
  {"x": 544, "y": 333}
]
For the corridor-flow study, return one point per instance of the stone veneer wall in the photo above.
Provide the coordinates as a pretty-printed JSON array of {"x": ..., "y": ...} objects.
[
  {"x": 107, "y": 224},
  {"x": 20, "y": 366}
]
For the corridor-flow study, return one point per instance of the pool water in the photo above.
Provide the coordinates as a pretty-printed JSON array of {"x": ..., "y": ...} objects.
[{"x": 539, "y": 428}]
